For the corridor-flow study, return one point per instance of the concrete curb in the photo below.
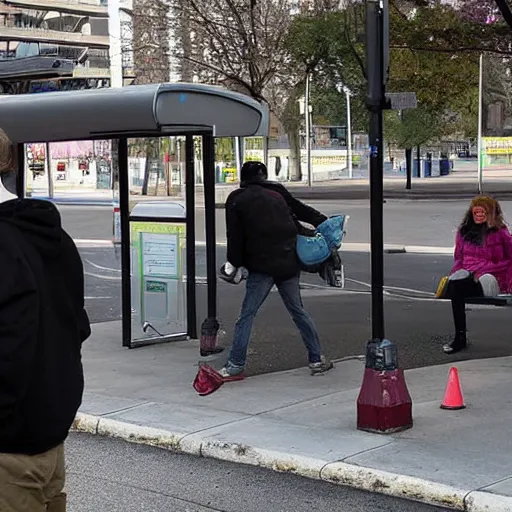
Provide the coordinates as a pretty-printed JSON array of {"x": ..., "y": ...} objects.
[
  {"x": 340, "y": 473},
  {"x": 359, "y": 247}
]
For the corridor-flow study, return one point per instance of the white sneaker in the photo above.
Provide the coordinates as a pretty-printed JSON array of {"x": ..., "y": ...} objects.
[{"x": 323, "y": 366}]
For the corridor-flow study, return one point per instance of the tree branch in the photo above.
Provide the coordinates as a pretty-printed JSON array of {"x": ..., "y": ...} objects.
[
  {"x": 505, "y": 11},
  {"x": 460, "y": 49}
]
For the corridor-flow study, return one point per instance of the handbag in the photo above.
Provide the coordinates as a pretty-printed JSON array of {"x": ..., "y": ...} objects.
[
  {"x": 312, "y": 250},
  {"x": 442, "y": 288}
]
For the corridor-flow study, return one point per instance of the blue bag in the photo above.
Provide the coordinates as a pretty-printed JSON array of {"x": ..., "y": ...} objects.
[
  {"x": 333, "y": 230},
  {"x": 315, "y": 250},
  {"x": 312, "y": 250}
]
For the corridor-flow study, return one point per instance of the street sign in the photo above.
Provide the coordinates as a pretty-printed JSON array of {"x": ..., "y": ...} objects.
[{"x": 402, "y": 100}]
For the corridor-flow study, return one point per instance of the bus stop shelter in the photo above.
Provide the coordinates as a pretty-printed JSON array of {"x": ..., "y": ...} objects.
[{"x": 143, "y": 111}]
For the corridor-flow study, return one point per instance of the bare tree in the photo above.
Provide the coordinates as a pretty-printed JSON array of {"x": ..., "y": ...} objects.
[
  {"x": 150, "y": 48},
  {"x": 241, "y": 44},
  {"x": 151, "y": 41}
]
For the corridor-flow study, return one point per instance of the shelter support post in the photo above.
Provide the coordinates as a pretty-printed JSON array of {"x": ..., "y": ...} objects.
[
  {"x": 210, "y": 327},
  {"x": 209, "y": 207},
  {"x": 124, "y": 207},
  {"x": 190, "y": 196}
]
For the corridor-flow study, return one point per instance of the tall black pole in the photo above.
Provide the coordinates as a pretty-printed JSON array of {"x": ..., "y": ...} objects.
[
  {"x": 190, "y": 194},
  {"x": 418, "y": 156},
  {"x": 408, "y": 165},
  {"x": 375, "y": 104}
]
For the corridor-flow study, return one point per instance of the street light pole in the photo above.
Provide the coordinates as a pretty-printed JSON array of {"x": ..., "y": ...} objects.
[
  {"x": 349, "y": 135},
  {"x": 384, "y": 405},
  {"x": 307, "y": 113},
  {"x": 480, "y": 122},
  {"x": 375, "y": 104}
]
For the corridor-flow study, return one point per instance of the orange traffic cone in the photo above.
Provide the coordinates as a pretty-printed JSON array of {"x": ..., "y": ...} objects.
[{"x": 453, "y": 398}]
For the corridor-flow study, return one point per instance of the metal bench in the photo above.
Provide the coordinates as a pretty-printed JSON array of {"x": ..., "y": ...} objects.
[{"x": 500, "y": 300}]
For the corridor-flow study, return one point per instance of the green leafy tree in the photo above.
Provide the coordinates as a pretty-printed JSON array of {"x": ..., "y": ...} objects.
[
  {"x": 329, "y": 47},
  {"x": 411, "y": 128}
]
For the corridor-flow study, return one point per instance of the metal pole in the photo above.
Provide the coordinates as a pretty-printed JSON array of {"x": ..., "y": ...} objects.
[
  {"x": 190, "y": 194},
  {"x": 49, "y": 170},
  {"x": 408, "y": 165},
  {"x": 209, "y": 212},
  {"x": 308, "y": 130},
  {"x": 20, "y": 171},
  {"x": 238, "y": 157},
  {"x": 124, "y": 205},
  {"x": 349, "y": 135},
  {"x": 375, "y": 72},
  {"x": 265, "y": 150},
  {"x": 480, "y": 122}
]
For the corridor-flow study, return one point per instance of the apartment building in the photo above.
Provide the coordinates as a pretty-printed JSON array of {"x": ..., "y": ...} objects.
[{"x": 54, "y": 45}]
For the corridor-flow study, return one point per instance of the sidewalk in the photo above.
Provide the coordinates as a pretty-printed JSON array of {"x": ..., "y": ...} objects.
[{"x": 293, "y": 422}]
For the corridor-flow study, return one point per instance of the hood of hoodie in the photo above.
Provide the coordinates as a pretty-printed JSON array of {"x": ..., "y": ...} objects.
[{"x": 39, "y": 221}]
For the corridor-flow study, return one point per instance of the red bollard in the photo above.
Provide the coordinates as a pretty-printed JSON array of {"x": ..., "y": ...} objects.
[{"x": 384, "y": 405}]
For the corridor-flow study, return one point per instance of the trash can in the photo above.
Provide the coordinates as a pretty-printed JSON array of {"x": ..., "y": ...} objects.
[
  {"x": 445, "y": 166},
  {"x": 158, "y": 263},
  {"x": 422, "y": 170},
  {"x": 427, "y": 168},
  {"x": 435, "y": 168},
  {"x": 416, "y": 169}
]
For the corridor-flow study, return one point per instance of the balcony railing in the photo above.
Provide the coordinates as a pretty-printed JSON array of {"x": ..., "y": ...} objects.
[
  {"x": 31, "y": 34},
  {"x": 85, "y": 7}
]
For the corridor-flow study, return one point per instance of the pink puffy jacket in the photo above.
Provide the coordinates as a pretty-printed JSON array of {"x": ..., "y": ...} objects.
[{"x": 494, "y": 257}]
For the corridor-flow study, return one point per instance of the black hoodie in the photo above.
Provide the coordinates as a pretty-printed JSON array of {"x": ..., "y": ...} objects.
[{"x": 42, "y": 326}]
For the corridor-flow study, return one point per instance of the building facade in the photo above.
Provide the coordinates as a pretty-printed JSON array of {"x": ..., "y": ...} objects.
[{"x": 50, "y": 45}]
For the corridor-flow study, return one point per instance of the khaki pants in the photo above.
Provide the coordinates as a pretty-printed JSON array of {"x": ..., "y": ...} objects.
[{"x": 33, "y": 483}]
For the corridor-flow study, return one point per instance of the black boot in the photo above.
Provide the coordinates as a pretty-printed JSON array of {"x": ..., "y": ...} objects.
[{"x": 459, "y": 343}]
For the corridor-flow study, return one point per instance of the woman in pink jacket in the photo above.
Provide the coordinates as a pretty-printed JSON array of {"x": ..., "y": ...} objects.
[{"x": 483, "y": 262}]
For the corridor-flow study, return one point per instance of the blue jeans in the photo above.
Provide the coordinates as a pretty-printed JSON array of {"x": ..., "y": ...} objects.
[{"x": 257, "y": 289}]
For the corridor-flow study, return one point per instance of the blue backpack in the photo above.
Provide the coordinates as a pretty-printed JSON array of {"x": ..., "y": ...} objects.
[{"x": 315, "y": 250}]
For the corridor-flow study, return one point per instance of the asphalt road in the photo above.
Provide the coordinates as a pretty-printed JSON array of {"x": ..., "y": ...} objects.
[
  {"x": 108, "y": 475},
  {"x": 431, "y": 223},
  {"x": 409, "y": 275},
  {"x": 416, "y": 322}
]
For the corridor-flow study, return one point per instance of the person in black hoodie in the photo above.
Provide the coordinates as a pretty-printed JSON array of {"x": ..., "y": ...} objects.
[
  {"x": 262, "y": 222},
  {"x": 43, "y": 324}
]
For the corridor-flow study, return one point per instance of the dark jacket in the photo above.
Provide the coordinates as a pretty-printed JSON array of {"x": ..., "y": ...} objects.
[
  {"x": 262, "y": 221},
  {"x": 42, "y": 326}
]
